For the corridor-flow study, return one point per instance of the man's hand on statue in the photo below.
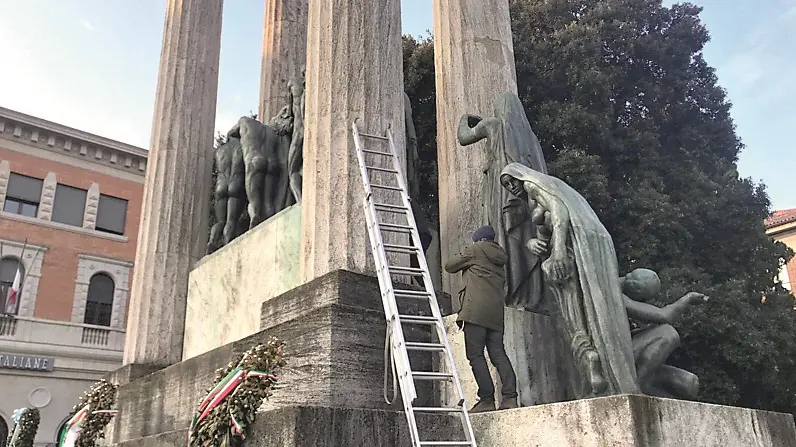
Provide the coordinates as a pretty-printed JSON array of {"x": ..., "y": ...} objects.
[{"x": 537, "y": 246}]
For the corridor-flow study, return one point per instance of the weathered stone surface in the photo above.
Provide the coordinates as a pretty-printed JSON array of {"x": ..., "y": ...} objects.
[
  {"x": 474, "y": 64},
  {"x": 630, "y": 420},
  {"x": 334, "y": 329},
  {"x": 354, "y": 60},
  {"x": 173, "y": 231},
  {"x": 227, "y": 288},
  {"x": 626, "y": 421},
  {"x": 284, "y": 52},
  {"x": 306, "y": 426}
]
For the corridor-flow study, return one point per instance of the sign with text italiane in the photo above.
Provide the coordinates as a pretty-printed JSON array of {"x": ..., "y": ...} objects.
[{"x": 26, "y": 362}]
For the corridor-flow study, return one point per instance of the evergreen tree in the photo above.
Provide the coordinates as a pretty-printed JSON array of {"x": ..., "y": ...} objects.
[{"x": 629, "y": 113}]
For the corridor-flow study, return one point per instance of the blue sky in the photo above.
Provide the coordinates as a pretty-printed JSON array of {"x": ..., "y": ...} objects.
[{"x": 92, "y": 64}]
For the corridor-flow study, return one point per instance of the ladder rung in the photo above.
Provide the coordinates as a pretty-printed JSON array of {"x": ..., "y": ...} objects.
[
  {"x": 395, "y": 228},
  {"x": 420, "y": 346},
  {"x": 408, "y": 249},
  {"x": 411, "y": 293},
  {"x": 378, "y": 137},
  {"x": 376, "y": 168},
  {"x": 391, "y": 188},
  {"x": 427, "y": 375},
  {"x": 377, "y": 152},
  {"x": 417, "y": 319},
  {"x": 411, "y": 271},
  {"x": 439, "y": 409},
  {"x": 387, "y": 208},
  {"x": 450, "y": 443}
]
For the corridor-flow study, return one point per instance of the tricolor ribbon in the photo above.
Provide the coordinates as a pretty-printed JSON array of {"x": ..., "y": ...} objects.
[
  {"x": 74, "y": 426},
  {"x": 228, "y": 386}
]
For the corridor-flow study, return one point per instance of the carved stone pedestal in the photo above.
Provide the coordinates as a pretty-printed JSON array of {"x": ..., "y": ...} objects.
[
  {"x": 618, "y": 421},
  {"x": 334, "y": 330}
]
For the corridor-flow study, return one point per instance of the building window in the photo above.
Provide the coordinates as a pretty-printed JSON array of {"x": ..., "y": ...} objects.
[
  {"x": 23, "y": 195},
  {"x": 111, "y": 214},
  {"x": 99, "y": 304},
  {"x": 8, "y": 272},
  {"x": 69, "y": 205}
]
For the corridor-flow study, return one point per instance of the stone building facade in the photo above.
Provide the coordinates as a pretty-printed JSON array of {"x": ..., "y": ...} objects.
[
  {"x": 72, "y": 202},
  {"x": 781, "y": 225}
]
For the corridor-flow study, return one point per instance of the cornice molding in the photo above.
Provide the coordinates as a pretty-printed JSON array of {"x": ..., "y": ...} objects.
[{"x": 56, "y": 138}]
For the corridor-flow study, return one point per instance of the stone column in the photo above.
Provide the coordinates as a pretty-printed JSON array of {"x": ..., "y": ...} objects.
[
  {"x": 354, "y": 71},
  {"x": 284, "y": 52},
  {"x": 174, "y": 210},
  {"x": 474, "y": 64}
]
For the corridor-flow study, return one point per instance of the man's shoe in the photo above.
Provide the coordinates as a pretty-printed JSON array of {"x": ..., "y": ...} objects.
[
  {"x": 483, "y": 405},
  {"x": 508, "y": 404}
]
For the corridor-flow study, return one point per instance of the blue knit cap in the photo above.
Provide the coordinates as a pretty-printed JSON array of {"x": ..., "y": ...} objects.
[{"x": 486, "y": 233}]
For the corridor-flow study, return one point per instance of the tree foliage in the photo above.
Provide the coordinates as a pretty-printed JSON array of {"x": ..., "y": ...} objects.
[
  {"x": 631, "y": 115},
  {"x": 419, "y": 85}
]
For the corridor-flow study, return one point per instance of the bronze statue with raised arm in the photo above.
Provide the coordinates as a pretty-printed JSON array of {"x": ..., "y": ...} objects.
[{"x": 655, "y": 338}]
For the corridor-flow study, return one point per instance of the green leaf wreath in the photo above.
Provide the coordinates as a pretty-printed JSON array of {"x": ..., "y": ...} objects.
[
  {"x": 26, "y": 425},
  {"x": 91, "y": 415},
  {"x": 238, "y": 391}
]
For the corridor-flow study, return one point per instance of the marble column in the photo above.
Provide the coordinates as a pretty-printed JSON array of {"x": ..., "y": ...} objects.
[
  {"x": 284, "y": 52},
  {"x": 175, "y": 206},
  {"x": 474, "y": 64},
  {"x": 354, "y": 71}
]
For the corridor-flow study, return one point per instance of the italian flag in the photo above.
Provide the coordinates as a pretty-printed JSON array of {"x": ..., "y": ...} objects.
[{"x": 11, "y": 302}]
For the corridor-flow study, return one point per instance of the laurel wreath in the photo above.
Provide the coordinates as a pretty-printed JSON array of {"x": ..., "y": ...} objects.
[
  {"x": 239, "y": 389},
  {"x": 28, "y": 426},
  {"x": 98, "y": 404}
]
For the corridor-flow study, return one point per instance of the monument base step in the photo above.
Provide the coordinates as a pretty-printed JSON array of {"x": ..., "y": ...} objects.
[{"x": 616, "y": 421}]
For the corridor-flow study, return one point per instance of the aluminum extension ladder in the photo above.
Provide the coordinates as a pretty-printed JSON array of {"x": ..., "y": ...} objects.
[{"x": 387, "y": 274}]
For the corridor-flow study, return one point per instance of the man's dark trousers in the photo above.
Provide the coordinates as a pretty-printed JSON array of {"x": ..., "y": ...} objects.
[{"x": 476, "y": 338}]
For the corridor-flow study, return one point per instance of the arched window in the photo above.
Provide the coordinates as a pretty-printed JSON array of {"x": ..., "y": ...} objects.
[
  {"x": 3, "y": 432},
  {"x": 99, "y": 304},
  {"x": 8, "y": 271}
]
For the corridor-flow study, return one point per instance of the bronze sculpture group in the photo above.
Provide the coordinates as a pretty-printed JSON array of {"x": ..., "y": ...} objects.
[
  {"x": 259, "y": 168},
  {"x": 562, "y": 260}
]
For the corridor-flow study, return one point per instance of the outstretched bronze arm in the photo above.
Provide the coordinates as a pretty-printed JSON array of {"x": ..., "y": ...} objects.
[
  {"x": 662, "y": 315},
  {"x": 473, "y": 128}
]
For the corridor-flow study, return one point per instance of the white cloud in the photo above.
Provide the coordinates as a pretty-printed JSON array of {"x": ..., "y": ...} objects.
[
  {"x": 37, "y": 93},
  {"x": 742, "y": 70},
  {"x": 87, "y": 25},
  {"x": 225, "y": 119}
]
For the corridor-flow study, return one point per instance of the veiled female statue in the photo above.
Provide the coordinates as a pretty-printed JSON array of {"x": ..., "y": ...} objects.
[
  {"x": 582, "y": 274},
  {"x": 509, "y": 138}
]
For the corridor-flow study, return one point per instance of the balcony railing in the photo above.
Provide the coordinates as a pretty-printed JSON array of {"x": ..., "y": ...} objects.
[
  {"x": 33, "y": 330},
  {"x": 8, "y": 326}
]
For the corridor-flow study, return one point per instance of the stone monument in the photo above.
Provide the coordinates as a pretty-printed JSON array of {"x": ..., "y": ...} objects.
[
  {"x": 473, "y": 37},
  {"x": 303, "y": 273}
]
